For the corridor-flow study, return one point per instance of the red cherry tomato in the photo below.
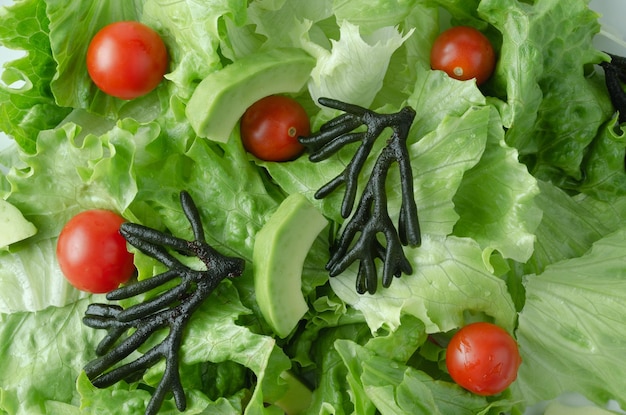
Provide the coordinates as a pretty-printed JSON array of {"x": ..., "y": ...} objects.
[
  {"x": 483, "y": 358},
  {"x": 92, "y": 253},
  {"x": 271, "y": 126},
  {"x": 126, "y": 59},
  {"x": 463, "y": 53}
]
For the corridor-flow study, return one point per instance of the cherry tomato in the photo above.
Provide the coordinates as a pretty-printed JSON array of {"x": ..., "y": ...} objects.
[
  {"x": 126, "y": 59},
  {"x": 271, "y": 126},
  {"x": 483, "y": 358},
  {"x": 463, "y": 53},
  {"x": 92, "y": 253}
]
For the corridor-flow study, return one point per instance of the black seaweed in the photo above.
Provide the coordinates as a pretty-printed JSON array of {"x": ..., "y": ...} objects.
[
  {"x": 129, "y": 328},
  {"x": 615, "y": 76},
  {"x": 371, "y": 217}
]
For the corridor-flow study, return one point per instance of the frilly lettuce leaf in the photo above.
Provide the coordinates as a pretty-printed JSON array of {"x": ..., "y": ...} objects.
[
  {"x": 64, "y": 189},
  {"x": 282, "y": 23},
  {"x": 72, "y": 87},
  {"x": 450, "y": 277},
  {"x": 605, "y": 164},
  {"x": 399, "y": 389},
  {"x": 373, "y": 15},
  {"x": 193, "y": 37},
  {"x": 541, "y": 69},
  {"x": 570, "y": 328},
  {"x": 496, "y": 201},
  {"x": 31, "y": 279},
  {"x": 39, "y": 365},
  {"x": 27, "y": 104},
  {"x": 29, "y": 272},
  {"x": 570, "y": 225},
  {"x": 354, "y": 68}
]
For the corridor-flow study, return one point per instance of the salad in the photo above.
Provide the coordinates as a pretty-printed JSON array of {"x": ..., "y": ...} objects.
[{"x": 520, "y": 185}]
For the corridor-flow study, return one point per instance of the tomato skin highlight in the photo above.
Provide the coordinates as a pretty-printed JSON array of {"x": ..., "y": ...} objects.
[
  {"x": 92, "y": 253},
  {"x": 483, "y": 358},
  {"x": 463, "y": 53},
  {"x": 271, "y": 126},
  {"x": 127, "y": 59}
]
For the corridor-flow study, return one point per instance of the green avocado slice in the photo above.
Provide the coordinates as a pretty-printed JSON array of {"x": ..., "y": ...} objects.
[
  {"x": 280, "y": 249},
  {"x": 13, "y": 226},
  {"x": 221, "y": 98}
]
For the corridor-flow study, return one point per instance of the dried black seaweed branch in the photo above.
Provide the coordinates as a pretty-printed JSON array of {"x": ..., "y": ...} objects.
[
  {"x": 371, "y": 217},
  {"x": 130, "y": 328},
  {"x": 615, "y": 75}
]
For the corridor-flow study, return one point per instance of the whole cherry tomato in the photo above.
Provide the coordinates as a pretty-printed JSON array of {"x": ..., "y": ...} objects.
[
  {"x": 271, "y": 126},
  {"x": 92, "y": 253},
  {"x": 127, "y": 59},
  {"x": 463, "y": 53},
  {"x": 483, "y": 358}
]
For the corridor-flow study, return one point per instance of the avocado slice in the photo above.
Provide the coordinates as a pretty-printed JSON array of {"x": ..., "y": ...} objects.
[
  {"x": 224, "y": 95},
  {"x": 297, "y": 398},
  {"x": 13, "y": 224},
  {"x": 280, "y": 249}
]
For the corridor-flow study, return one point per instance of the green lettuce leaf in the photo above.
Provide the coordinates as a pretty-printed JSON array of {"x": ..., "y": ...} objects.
[
  {"x": 371, "y": 16},
  {"x": 570, "y": 225},
  {"x": 27, "y": 104},
  {"x": 193, "y": 37},
  {"x": 40, "y": 362},
  {"x": 121, "y": 398},
  {"x": 333, "y": 392},
  {"x": 354, "y": 68},
  {"x": 31, "y": 279},
  {"x": 411, "y": 62},
  {"x": 52, "y": 181},
  {"x": 286, "y": 23},
  {"x": 29, "y": 273},
  {"x": 570, "y": 332},
  {"x": 496, "y": 201},
  {"x": 540, "y": 69},
  {"x": 605, "y": 164},
  {"x": 394, "y": 388},
  {"x": 72, "y": 26},
  {"x": 450, "y": 277}
]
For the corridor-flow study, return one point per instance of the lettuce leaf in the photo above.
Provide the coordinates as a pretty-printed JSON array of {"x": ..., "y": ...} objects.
[
  {"x": 451, "y": 277},
  {"x": 38, "y": 364},
  {"x": 540, "y": 70},
  {"x": 570, "y": 225},
  {"x": 27, "y": 104},
  {"x": 395, "y": 388},
  {"x": 193, "y": 37},
  {"x": 605, "y": 164},
  {"x": 72, "y": 87},
  {"x": 570, "y": 331},
  {"x": 354, "y": 68}
]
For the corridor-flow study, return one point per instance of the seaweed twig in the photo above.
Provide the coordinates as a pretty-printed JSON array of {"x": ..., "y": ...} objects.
[
  {"x": 371, "y": 217},
  {"x": 615, "y": 75},
  {"x": 129, "y": 328}
]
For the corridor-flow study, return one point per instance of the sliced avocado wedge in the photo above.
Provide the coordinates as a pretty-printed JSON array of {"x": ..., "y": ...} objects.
[
  {"x": 297, "y": 398},
  {"x": 14, "y": 227},
  {"x": 223, "y": 96},
  {"x": 280, "y": 249}
]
